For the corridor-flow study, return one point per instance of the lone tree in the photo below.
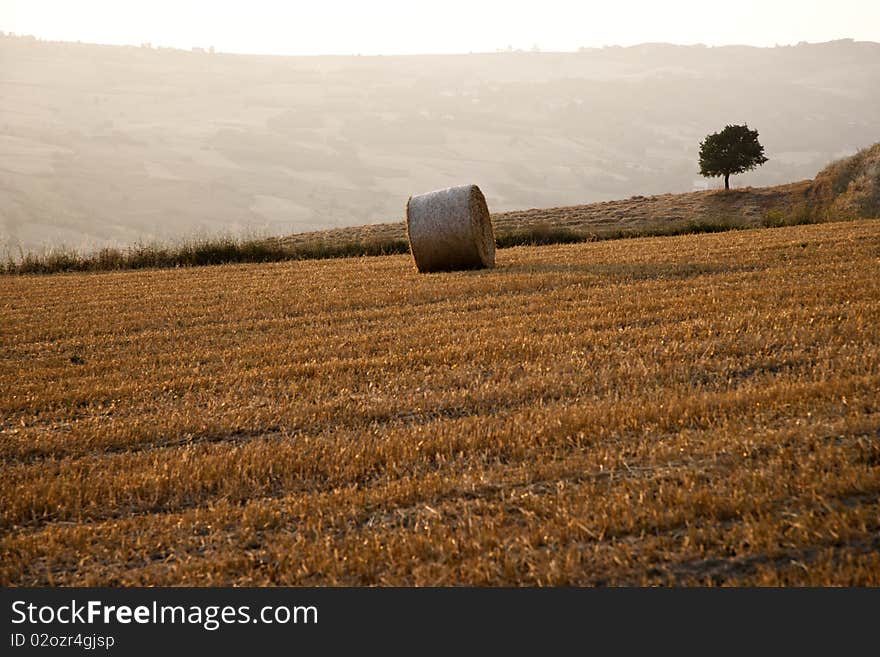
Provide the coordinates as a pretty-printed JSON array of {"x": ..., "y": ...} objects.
[{"x": 735, "y": 149}]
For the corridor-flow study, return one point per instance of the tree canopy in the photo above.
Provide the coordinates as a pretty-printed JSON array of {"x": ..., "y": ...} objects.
[{"x": 735, "y": 149}]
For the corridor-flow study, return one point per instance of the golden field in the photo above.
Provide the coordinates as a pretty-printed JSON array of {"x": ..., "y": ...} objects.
[{"x": 701, "y": 409}]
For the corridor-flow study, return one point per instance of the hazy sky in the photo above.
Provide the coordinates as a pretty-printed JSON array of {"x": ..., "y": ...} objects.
[{"x": 435, "y": 26}]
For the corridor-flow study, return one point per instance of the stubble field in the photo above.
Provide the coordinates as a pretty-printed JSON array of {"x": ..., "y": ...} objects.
[{"x": 702, "y": 409}]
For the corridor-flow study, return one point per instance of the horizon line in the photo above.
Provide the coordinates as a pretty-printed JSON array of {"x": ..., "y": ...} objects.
[{"x": 535, "y": 50}]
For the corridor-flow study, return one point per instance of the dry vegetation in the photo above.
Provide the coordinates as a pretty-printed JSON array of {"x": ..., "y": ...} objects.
[
  {"x": 845, "y": 189},
  {"x": 638, "y": 216},
  {"x": 851, "y": 186},
  {"x": 680, "y": 410},
  {"x": 662, "y": 214}
]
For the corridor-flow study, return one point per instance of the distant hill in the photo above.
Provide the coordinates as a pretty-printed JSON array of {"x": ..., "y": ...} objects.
[{"x": 109, "y": 145}]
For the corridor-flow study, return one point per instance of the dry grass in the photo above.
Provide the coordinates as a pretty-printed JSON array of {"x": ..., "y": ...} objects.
[
  {"x": 639, "y": 216},
  {"x": 662, "y": 214},
  {"x": 851, "y": 186},
  {"x": 681, "y": 410}
]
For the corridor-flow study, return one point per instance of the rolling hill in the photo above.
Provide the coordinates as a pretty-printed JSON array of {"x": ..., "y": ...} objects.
[{"x": 109, "y": 146}]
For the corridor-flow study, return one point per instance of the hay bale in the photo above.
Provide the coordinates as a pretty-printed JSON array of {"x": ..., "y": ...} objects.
[{"x": 450, "y": 229}]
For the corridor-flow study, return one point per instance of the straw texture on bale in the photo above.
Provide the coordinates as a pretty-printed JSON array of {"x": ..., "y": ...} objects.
[{"x": 450, "y": 229}]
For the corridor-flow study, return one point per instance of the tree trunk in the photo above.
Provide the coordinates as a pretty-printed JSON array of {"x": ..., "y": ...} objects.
[{"x": 726, "y": 181}]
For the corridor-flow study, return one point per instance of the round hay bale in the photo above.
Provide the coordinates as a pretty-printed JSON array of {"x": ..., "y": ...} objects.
[{"x": 450, "y": 229}]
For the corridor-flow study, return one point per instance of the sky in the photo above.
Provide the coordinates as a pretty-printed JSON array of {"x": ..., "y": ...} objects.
[{"x": 389, "y": 27}]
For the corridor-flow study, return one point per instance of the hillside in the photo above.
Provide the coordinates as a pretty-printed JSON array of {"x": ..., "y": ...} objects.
[
  {"x": 743, "y": 208},
  {"x": 847, "y": 188},
  {"x": 109, "y": 146},
  {"x": 702, "y": 409}
]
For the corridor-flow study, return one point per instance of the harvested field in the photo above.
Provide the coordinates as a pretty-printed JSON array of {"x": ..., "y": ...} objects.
[
  {"x": 746, "y": 207},
  {"x": 700, "y": 409}
]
